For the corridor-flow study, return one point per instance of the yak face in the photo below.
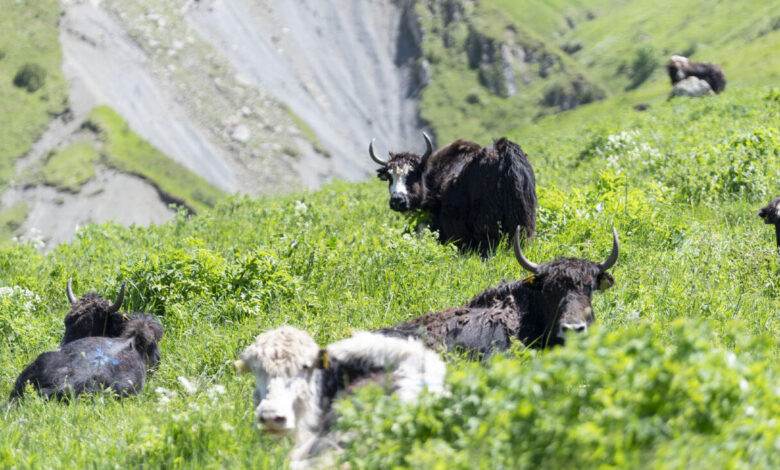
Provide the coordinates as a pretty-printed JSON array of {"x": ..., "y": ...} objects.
[
  {"x": 771, "y": 213},
  {"x": 556, "y": 297},
  {"x": 284, "y": 362},
  {"x": 566, "y": 287},
  {"x": 92, "y": 315},
  {"x": 675, "y": 68},
  {"x": 404, "y": 172}
]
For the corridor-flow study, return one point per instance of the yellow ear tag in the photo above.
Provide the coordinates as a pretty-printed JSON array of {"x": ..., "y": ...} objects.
[
  {"x": 325, "y": 360},
  {"x": 529, "y": 280},
  {"x": 124, "y": 315},
  {"x": 605, "y": 283}
]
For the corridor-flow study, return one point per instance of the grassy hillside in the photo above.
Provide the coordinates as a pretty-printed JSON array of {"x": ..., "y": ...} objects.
[
  {"x": 606, "y": 52},
  {"x": 680, "y": 369},
  {"x": 27, "y": 101}
]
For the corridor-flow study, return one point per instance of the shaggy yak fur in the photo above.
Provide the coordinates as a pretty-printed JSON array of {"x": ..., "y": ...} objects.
[
  {"x": 472, "y": 193},
  {"x": 94, "y": 364},
  {"x": 771, "y": 215},
  {"x": 680, "y": 67},
  {"x": 537, "y": 310},
  {"x": 297, "y": 382},
  {"x": 92, "y": 315}
]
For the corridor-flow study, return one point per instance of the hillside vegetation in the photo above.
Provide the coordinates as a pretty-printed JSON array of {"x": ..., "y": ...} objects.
[
  {"x": 497, "y": 65},
  {"x": 680, "y": 369}
]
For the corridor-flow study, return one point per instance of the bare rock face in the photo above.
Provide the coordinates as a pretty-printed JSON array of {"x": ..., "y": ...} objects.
[{"x": 693, "y": 87}]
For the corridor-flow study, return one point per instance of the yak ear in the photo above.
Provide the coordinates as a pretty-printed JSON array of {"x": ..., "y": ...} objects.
[
  {"x": 323, "y": 360},
  {"x": 605, "y": 281}
]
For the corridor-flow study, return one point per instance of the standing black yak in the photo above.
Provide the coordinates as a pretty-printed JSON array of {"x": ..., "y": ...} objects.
[
  {"x": 95, "y": 364},
  {"x": 771, "y": 215},
  {"x": 472, "y": 193},
  {"x": 537, "y": 310},
  {"x": 680, "y": 68}
]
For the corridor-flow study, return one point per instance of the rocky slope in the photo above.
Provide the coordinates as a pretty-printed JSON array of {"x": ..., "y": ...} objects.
[{"x": 261, "y": 97}]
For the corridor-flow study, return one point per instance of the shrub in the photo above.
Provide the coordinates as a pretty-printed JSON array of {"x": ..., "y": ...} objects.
[
  {"x": 608, "y": 400},
  {"x": 643, "y": 65},
  {"x": 30, "y": 76}
]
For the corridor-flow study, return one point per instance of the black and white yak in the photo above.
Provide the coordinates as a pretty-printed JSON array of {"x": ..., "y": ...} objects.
[
  {"x": 93, "y": 364},
  {"x": 297, "y": 381},
  {"x": 680, "y": 68},
  {"x": 538, "y": 310},
  {"x": 473, "y": 194}
]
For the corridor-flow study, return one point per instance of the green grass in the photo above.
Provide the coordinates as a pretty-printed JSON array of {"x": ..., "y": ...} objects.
[
  {"x": 11, "y": 220},
  {"x": 68, "y": 169},
  {"x": 29, "y": 36},
  {"x": 680, "y": 370},
  {"x": 126, "y": 151}
]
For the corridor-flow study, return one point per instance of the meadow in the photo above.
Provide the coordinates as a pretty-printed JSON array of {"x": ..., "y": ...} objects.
[{"x": 679, "y": 371}]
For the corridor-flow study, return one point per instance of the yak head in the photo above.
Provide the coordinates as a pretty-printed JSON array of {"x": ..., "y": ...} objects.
[
  {"x": 676, "y": 68},
  {"x": 404, "y": 172},
  {"x": 92, "y": 315},
  {"x": 284, "y": 362},
  {"x": 565, "y": 287},
  {"x": 771, "y": 213}
]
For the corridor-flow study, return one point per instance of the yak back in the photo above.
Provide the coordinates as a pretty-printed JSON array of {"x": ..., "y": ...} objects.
[
  {"x": 482, "y": 191},
  {"x": 476, "y": 332},
  {"x": 87, "y": 365}
]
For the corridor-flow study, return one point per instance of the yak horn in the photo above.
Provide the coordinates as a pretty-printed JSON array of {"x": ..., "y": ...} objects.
[
  {"x": 528, "y": 265},
  {"x": 113, "y": 308},
  {"x": 69, "y": 291},
  {"x": 428, "y": 148},
  {"x": 373, "y": 155},
  {"x": 612, "y": 256}
]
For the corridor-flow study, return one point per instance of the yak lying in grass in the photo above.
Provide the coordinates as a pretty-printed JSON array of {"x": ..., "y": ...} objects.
[
  {"x": 92, "y": 315},
  {"x": 95, "y": 364},
  {"x": 297, "y": 382},
  {"x": 680, "y": 68},
  {"x": 537, "y": 310},
  {"x": 472, "y": 193},
  {"x": 771, "y": 215}
]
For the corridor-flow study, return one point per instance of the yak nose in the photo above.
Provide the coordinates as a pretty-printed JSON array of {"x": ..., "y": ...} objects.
[
  {"x": 578, "y": 327},
  {"x": 398, "y": 203},
  {"x": 273, "y": 419}
]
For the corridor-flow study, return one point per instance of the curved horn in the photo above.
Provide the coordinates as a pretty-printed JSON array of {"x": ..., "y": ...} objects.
[
  {"x": 428, "y": 148},
  {"x": 373, "y": 155},
  {"x": 612, "y": 256},
  {"x": 115, "y": 306},
  {"x": 528, "y": 265},
  {"x": 69, "y": 291}
]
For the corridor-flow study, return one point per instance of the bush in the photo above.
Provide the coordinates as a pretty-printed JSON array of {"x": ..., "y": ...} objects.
[
  {"x": 30, "y": 76},
  {"x": 643, "y": 65},
  {"x": 608, "y": 400}
]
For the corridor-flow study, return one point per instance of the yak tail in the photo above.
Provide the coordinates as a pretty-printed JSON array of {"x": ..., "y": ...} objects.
[{"x": 145, "y": 329}]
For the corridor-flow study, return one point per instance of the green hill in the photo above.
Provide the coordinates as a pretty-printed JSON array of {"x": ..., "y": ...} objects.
[
  {"x": 566, "y": 53},
  {"x": 680, "y": 369}
]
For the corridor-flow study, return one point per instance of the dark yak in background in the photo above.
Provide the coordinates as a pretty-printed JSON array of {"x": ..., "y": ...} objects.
[
  {"x": 94, "y": 364},
  {"x": 771, "y": 215},
  {"x": 537, "y": 310},
  {"x": 680, "y": 68},
  {"x": 92, "y": 315},
  {"x": 472, "y": 193}
]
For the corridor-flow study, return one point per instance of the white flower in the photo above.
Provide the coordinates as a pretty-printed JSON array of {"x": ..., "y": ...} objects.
[{"x": 187, "y": 385}]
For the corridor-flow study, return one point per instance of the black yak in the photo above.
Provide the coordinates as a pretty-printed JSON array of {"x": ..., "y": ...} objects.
[
  {"x": 297, "y": 382},
  {"x": 472, "y": 193},
  {"x": 94, "y": 364},
  {"x": 680, "y": 68},
  {"x": 537, "y": 310},
  {"x": 771, "y": 215},
  {"x": 92, "y": 315}
]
